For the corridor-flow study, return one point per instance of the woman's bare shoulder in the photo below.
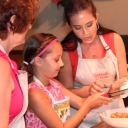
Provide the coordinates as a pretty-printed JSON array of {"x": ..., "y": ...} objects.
[
  {"x": 4, "y": 67},
  {"x": 117, "y": 38}
]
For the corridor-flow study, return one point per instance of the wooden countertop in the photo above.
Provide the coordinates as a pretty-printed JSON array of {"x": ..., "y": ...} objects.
[{"x": 101, "y": 125}]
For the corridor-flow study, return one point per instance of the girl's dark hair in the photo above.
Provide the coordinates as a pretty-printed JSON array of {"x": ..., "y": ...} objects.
[
  {"x": 33, "y": 46},
  {"x": 74, "y": 7}
]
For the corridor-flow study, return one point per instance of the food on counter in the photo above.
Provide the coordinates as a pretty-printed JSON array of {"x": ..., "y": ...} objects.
[{"x": 119, "y": 115}]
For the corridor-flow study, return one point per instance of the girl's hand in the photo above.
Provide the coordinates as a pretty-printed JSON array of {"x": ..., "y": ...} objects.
[
  {"x": 96, "y": 87},
  {"x": 96, "y": 100},
  {"x": 117, "y": 84}
]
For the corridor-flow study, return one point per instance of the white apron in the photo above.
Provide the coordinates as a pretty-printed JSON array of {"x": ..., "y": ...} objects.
[
  {"x": 104, "y": 70},
  {"x": 18, "y": 121},
  {"x": 61, "y": 107}
]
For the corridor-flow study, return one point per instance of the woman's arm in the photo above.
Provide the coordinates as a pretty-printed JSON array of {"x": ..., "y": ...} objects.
[
  {"x": 122, "y": 63},
  {"x": 5, "y": 92},
  {"x": 66, "y": 78},
  {"x": 84, "y": 105},
  {"x": 75, "y": 100},
  {"x": 122, "y": 66},
  {"x": 121, "y": 55}
]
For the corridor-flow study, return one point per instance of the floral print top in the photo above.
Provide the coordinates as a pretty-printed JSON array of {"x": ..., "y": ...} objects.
[{"x": 32, "y": 120}]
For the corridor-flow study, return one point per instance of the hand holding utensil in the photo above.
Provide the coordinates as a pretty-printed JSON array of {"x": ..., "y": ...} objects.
[{"x": 116, "y": 94}]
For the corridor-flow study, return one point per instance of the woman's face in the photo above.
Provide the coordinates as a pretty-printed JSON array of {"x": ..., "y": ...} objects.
[{"x": 84, "y": 25}]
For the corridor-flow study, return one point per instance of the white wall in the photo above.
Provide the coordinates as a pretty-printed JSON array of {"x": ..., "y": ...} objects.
[{"x": 112, "y": 14}]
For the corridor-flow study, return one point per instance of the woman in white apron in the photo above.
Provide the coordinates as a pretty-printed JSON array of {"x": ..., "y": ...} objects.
[
  {"x": 16, "y": 18},
  {"x": 49, "y": 101},
  {"x": 92, "y": 62},
  {"x": 106, "y": 65}
]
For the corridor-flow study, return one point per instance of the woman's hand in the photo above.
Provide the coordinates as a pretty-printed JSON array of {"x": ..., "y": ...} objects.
[
  {"x": 96, "y": 100},
  {"x": 117, "y": 84},
  {"x": 96, "y": 87}
]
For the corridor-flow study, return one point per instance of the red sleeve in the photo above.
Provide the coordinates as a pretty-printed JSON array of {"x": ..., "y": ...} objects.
[
  {"x": 109, "y": 38},
  {"x": 73, "y": 55}
]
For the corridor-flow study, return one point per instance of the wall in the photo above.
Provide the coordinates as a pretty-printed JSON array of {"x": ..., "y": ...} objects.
[{"x": 112, "y": 14}]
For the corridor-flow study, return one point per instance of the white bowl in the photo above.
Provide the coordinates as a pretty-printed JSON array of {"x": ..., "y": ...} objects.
[{"x": 115, "y": 122}]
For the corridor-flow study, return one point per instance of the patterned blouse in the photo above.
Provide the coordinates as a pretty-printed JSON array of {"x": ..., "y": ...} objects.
[{"x": 32, "y": 120}]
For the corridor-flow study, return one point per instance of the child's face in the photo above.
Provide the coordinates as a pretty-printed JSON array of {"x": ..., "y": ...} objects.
[
  {"x": 84, "y": 26},
  {"x": 52, "y": 63}
]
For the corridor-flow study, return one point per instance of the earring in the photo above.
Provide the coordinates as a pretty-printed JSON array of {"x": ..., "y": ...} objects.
[{"x": 97, "y": 25}]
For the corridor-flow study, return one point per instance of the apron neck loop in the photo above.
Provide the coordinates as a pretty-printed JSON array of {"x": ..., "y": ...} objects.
[
  {"x": 39, "y": 82},
  {"x": 107, "y": 48},
  {"x": 79, "y": 50},
  {"x": 104, "y": 43}
]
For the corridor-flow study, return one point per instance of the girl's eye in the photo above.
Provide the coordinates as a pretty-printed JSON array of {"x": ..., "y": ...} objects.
[{"x": 56, "y": 60}]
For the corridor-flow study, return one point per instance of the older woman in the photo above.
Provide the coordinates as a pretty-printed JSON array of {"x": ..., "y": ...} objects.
[{"x": 16, "y": 17}]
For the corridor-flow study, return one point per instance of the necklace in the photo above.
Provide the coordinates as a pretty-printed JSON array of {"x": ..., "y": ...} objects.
[
  {"x": 89, "y": 55},
  {"x": 93, "y": 51}
]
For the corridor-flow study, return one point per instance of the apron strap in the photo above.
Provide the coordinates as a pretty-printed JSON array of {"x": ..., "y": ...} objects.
[
  {"x": 79, "y": 50},
  {"x": 112, "y": 56},
  {"x": 38, "y": 81},
  {"x": 107, "y": 48}
]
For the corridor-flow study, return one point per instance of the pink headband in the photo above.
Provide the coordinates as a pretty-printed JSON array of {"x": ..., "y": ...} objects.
[{"x": 44, "y": 49}]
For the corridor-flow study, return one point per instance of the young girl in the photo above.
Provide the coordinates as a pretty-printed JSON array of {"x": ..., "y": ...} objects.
[{"x": 48, "y": 99}]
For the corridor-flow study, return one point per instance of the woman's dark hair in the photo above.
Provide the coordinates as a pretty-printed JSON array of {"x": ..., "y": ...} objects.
[
  {"x": 33, "y": 46},
  {"x": 74, "y": 7}
]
